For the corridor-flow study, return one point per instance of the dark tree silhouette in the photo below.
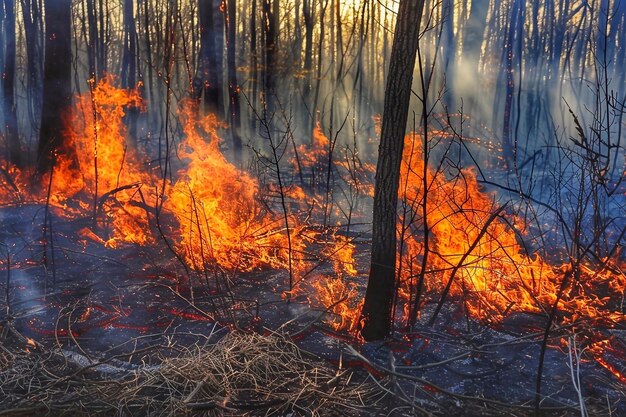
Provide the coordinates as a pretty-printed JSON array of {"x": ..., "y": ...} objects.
[
  {"x": 513, "y": 38},
  {"x": 376, "y": 314},
  {"x": 270, "y": 30},
  {"x": 57, "y": 83},
  {"x": 234, "y": 107},
  {"x": 92, "y": 44},
  {"x": 129, "y": 63},
  {"x": 32, "y": 21},
  {"x": 208, "y": 79},
  {"x": 8, "y": 82}
]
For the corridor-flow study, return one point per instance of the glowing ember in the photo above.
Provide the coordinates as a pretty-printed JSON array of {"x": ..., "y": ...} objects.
[{"x": 339, "y": 296}]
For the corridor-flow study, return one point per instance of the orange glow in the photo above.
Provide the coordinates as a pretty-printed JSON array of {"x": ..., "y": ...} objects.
[
  {"x": 341, "y": 299},
  {"x": 497, "y": 277},
  {"x": 216, "y": 217},
  {"x": 316, "y": 153},
  {"x": 12, "y": 184},
  {"x": 105, "y": 178},
  {"x": 335, "y": 293},
  {"x": 220, "y": 219}
]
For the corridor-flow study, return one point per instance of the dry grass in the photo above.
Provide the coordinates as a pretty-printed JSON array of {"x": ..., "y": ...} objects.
[{"x": 242, "y": 374}]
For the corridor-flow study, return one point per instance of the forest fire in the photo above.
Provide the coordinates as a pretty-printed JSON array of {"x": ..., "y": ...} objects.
[
  {"x": 221, "y": 221},
  {"x": 218, "y": 219},
  {"x": 101, "y": 173},
  {"x": 216, "y": 206},
  {"x": 312, "y": 208}
]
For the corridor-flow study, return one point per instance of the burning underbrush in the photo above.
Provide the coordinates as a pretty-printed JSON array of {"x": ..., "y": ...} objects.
[{"x": 462, "y": 256}]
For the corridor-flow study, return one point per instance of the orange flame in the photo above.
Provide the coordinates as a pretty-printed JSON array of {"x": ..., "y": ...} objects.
[
  {"x": 496, "y": 275},
  {"x": 105, "y": 176},
  {"x": 220, "y": 218}
]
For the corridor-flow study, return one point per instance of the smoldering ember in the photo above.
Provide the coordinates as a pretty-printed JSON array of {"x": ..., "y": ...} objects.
[{"x": 313, "y": 208}]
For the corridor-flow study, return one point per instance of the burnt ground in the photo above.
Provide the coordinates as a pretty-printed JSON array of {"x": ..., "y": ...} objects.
[{"x": 116, "y": 311}]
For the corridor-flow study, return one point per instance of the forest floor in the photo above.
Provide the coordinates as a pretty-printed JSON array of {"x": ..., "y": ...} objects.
[{"x": 90, "y": 330}]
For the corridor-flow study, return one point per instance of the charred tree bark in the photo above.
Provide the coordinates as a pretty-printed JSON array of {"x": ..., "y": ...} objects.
[
  {"x": 92, "y": 43},
  {"x": 57, "y": 82},
  {"x": 514, "y": 34},
  {"x": 254, "y": 62},
  {"x": 376, "y": 314},
  {"x": 8, "y": 83},
  {"x": 449, "y": 54},
  {"x": 270, "y": 29},
  {"x": 307, "y": 13},
  {"x": 219, "y": 24},
  {"x": 148, "y": 52}
]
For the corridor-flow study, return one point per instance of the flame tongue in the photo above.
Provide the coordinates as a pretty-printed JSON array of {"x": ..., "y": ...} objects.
[
  {"x": 103, "y": 175},
  {"x": 489, "y": 268},
  {"x": 220, "y": 219}
]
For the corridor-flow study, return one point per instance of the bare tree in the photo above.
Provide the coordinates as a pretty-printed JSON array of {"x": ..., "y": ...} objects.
[
  {"x": 208, "y": 80},
  {"x": 8, "y": 83},
  {"x": 376, "y": 314},
  {"x": 57, "y": 81}
]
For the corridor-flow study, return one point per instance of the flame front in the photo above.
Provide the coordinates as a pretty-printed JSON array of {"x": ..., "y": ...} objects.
[{"x": 216, "y": 218}]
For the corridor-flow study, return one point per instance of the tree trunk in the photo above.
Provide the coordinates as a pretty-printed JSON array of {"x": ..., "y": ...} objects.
[
  {"x": 513, "y": 36},
  {"x": 208, "y": 76},
  {"x": 254, "y": 63},
  {"x": 57, "y": 83},
  {"x": 129, "y": 64},
  {"x": 31, "y": 18},
  {"x": 308, "y": 45},
  {"x": 449, "y": 54},
  {"x": 217, "y": 70},
  {"x": 270, "y": 29},
  {"x": 234, "y": 107},
  {"x": 8, "y": 83},
  {"x": 376, "y": 314},
  {"x": 93, "y": 44}
]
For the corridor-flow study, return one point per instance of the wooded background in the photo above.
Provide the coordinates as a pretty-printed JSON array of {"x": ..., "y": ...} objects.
[{"x": 507, "y": 64}]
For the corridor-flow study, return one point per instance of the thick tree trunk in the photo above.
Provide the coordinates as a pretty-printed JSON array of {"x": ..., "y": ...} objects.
[
  {"x": 376, "y": 315},
  {"x": 8, "y": 83},
  {"x": 57, "y": 83}
]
